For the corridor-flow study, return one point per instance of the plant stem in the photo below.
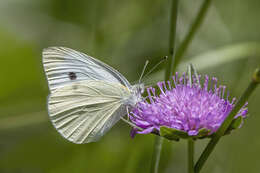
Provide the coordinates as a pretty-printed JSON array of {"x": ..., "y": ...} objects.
[
  {"x": 193, "y": 29},
  {"x": 171, "y": 67},
  {"x": 213, "y": 142},
  {"x": 168, "y": 73},
  {"x": 190, "y": 155},
  {"x": 156, "y": 154},
  {"x": 190, "y": 142}
]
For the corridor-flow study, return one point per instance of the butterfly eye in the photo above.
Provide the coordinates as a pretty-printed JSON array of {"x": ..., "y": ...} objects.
[{"x": 72, "y": 76}]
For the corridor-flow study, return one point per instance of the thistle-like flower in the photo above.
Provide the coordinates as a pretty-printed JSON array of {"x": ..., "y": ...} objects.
[{"x": 185, "y": 108}]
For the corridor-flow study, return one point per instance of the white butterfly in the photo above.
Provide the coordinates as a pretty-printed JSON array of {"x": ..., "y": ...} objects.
[{"x": 87, "y": 97}]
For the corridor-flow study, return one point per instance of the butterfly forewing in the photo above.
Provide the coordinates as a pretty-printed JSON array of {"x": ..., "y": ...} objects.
[
  {"x": 64, "y": 65},
  {"x": 84, "y": 111}
]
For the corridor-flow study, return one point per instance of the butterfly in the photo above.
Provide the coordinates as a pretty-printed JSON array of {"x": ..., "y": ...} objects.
[{"x": 87, "y": 97}]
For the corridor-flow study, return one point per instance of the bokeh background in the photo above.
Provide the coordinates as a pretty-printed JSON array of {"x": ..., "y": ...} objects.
[{"x": 123, "y": 34}]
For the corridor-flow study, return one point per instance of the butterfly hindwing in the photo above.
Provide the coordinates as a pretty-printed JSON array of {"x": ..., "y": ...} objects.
[{"x": 84, "y": 111}]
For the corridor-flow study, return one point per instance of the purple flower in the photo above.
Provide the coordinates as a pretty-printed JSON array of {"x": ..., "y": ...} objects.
[{"x": 187, "y": 107}]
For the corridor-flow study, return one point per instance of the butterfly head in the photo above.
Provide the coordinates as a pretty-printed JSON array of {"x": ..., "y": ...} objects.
[
  {"x": 136, "y": 94},
  {"x": 138, "y": 88}
]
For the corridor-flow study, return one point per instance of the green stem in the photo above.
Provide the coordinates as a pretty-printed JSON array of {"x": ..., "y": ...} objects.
[
  {"x": 190, "y": 142},
  {"x": 213, "y": 142},
  {"x": 171, "y": 67},
  {"x": 193, "y": 29},
  {"x": 156, "y": 154},
  {"x": 168, "y": 73},
  {"x": 190, "y": 155}
]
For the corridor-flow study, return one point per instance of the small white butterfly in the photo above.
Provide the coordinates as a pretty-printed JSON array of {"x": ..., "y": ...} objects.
[{"x": 87, "y": 97}]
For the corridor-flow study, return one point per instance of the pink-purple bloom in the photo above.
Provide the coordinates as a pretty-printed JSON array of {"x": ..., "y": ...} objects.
[{"x": 184, "y": 105}]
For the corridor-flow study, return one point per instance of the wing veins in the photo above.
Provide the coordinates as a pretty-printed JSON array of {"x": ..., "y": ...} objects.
[{"x": 96, "y": 124}]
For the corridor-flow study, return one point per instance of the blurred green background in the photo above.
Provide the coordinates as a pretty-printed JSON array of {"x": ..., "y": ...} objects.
[{"x": 123, "y": 34}]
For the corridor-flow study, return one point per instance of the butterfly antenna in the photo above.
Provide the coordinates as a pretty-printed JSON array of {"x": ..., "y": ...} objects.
[
  {"x": 154, "y": 67},
  {"x": 141, "y": 76}
]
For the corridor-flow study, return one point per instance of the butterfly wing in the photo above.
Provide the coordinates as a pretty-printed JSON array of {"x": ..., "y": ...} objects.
[
  {"x": 84, "y": 111},
  {"x": 64, "y": 65}
]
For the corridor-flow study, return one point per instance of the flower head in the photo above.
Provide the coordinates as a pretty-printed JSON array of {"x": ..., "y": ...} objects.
[{"x": 185, "y": 106}]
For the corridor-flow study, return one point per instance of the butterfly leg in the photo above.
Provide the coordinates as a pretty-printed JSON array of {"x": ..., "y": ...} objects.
[
  {"x": 128, "y": 114},
  {"x": 131, "y": 124},
  {"x": 128, "y": 120}
]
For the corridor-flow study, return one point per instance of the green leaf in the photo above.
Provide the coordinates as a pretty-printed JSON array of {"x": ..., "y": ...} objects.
[
  {"x": 167, "y": 133},
  {"x": 234, "y": 125},
  {"x": 180, "y": 133},
  {"x": 236, "y": 122},
  {"x": 203, "y": 133},
  {"x": 173, "y": 134}
]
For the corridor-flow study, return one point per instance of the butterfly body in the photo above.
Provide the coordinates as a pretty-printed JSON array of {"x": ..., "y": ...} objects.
[{"x": 87, "y": 97}]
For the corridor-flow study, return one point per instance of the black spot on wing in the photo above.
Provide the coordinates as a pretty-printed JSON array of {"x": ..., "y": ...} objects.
[{"x": 72, "y": 76}]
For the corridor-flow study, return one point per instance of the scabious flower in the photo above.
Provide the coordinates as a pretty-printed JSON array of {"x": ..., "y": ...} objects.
[{"x": 185, "y": 106}]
